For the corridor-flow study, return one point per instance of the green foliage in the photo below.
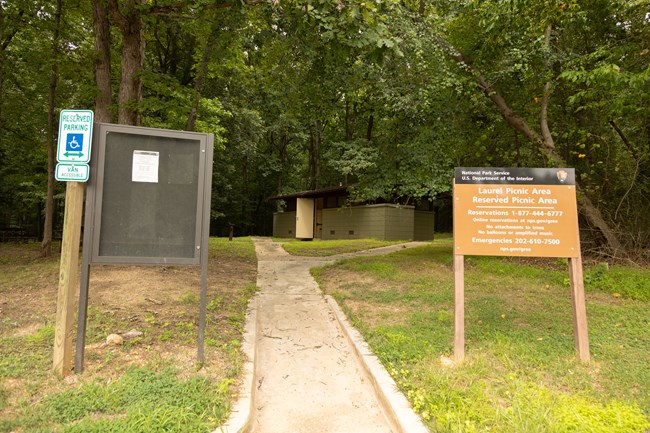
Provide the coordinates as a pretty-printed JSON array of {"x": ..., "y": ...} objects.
[
  {"x": 595, "y": 70},
  {"x": 619, "y": 281},
  {"x": 304, "y": 94},
  {"x": 26, "y": 33},
  {"x": 353, "y": 157}
]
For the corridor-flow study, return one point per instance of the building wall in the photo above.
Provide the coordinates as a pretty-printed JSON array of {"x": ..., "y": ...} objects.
[
  {"x": 353, "y": 223},
  {"x": 284, "y": 224},
  {"x": 424, "y": 225},
  {"x": 399, "y": 223},
  {"x": 382, "y": 221}
]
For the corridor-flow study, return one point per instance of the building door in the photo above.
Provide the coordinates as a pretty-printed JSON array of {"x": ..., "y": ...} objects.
[
  {"x": 318, "y": 220},
  {"x": 305, "y": 218}
]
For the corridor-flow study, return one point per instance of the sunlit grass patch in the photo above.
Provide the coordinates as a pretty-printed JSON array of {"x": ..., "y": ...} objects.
[
  {"x": 520, "y": 373},
  {"x": 317, "y": 248},
  {"x": 241, "y": 247}
]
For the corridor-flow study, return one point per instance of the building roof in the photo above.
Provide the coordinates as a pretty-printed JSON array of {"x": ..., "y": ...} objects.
[{"x": 314, "y": 193}]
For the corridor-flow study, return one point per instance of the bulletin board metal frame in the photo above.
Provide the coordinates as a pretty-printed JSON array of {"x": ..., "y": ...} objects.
[{"x": 97, "y": 203}]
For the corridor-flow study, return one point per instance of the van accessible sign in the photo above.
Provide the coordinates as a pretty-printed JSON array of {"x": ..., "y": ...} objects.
[{"x": 516, "y": 212}]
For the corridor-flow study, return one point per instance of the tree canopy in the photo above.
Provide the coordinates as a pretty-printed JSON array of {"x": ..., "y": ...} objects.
[{"x": 384, "y": 95}]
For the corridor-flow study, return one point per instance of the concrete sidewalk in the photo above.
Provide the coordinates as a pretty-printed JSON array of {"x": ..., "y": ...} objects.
[{"x": 309, "y": 370}]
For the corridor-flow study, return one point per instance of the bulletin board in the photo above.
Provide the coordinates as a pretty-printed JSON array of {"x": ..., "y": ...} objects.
[
  {"x": 150, "y": 198},
  {"x": 147, "y": 203}
]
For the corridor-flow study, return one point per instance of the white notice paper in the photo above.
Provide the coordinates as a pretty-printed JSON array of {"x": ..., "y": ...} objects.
[{"x": 145, "y": 166}]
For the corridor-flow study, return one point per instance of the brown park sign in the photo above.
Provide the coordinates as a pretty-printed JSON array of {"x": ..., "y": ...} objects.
[{"x": 516, "y": 212}]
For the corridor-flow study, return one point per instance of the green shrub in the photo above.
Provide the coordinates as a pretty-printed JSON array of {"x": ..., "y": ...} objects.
[{"x": 626, "y": 282}]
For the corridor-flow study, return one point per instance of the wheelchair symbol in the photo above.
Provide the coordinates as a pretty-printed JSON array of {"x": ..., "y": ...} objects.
[{"x": 74, "y": 142}]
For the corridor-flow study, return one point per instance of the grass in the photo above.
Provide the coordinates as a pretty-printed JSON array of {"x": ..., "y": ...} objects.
[
  {"x": 141, "y": 399},
  {"x": 321, "y": 248},
  {"x": 520, "y": 373},
  {"x": 148, "y": 384},
  {"x": 238, "y": 248}
]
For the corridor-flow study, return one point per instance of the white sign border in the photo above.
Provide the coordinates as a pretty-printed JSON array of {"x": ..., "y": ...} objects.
[{"x": 69, "y": 164}]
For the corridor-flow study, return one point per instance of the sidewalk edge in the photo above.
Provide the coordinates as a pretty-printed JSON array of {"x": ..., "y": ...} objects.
[
  {"x": 239, "y": 420},
  {"x": 395, "y": 405}
]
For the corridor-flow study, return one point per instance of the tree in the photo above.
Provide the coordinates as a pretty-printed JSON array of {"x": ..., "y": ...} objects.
[
  {"x": 128, "y": 19},
  {"x": 50, "y": 140},
  {"x": 102, "y": 64},
  {"x": 522, "y": 54},
  {"x": 389, "y": 96}
]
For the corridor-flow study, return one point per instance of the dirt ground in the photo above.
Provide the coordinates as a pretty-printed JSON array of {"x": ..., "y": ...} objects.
[{"x": 160, "y": 302}]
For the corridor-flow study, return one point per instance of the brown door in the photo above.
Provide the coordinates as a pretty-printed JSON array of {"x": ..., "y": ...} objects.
[{"x": 318, "y": 219}]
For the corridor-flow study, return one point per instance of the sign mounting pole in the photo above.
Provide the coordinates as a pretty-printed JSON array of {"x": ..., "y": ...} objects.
[
  {"x": 459, "y": 307},
  {"x": 580, "y": 329}
]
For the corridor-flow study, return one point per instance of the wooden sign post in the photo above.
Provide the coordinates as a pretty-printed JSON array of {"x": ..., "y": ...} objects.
[
  {"x": 73, "y": 153},
  {"x": 459, "y": 307},
  {"x": 68, "y": 278},
  {"x": 528, "y": 212}
]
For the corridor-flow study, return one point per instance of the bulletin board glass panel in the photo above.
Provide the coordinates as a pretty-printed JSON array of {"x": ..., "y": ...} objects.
[{"x": 150, "y": 195}]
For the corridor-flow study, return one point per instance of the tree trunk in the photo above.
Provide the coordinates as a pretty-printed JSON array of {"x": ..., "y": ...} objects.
[
  {"x": 315, "y": 156},
  {"x": 102, "y": 66},
  {"x": 46, "y": 245},
  {"x": 2, "y": 58},
  {"x": 589, "y": 210},
  {"x": 371, "y": 124},
  {"x": 544, "y": 142},
  {"x": 312, "y": 159},
  {"x": 132, "y": 59},
  {"x": 350, "y": 121},
  {"x": 245, "y": 217},
  {"x": 547, "y": 137},
  {"x": 282, "y": 155},
  {"x": 319, "y": 143},
  {"x": 198, "y": 85}
]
